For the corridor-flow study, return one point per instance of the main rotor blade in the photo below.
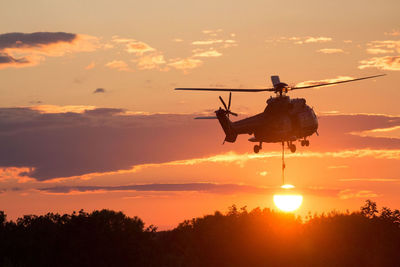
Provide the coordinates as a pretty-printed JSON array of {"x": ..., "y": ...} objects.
[
  {"x": 346, "y": 81},
  {"x": 228, "y": 90},
  {"x": 229, "y": 103},
  {"x": 223, "y": 103},
  {"x": 233, "y": 113}
]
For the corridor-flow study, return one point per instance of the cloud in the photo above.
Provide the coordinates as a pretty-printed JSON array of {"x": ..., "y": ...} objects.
[
  {"x": 315, "y": 82},
  {"x": 99, "y": 91},
  {"x": 208, "y": 53},
  {"x": 338, "y": 167},
  {"x": 317, "y": 39},
  {"x": 393, "y": 33},
  {"x": 351, "y": 193},
  {"x": 369, "y": 180},
  {"x": 146, "y": 57},
  {"x": 149, "y": 58},
  {"x": 299, "y": 40},
  {"x": 72, "y": 141},
  {"x": 388, "y": 132},
  {"x": 331, "y": 51},
  {"x": 18, "y": 173},
  {"x": 52, "y": 109},
  {"x": 198, "y": 187},
  {"x": 151, "y": 61},
  {"x": 211, "y": 32},
  {"x": 29, "y": 49},
  {"x": 133, "y": 46},
  {"x": 375, "y": 51},
  {"x": 36, "y": 39},
  {"x": 212, "y": 188},
  {"x": 383, "y": 47},
  {"x": 263, "y": 173},
  {"x": 383, "y": 63},
  {"x": 90, "y": 66},
  {"x": 118, "y": 65},
  {"x": 208, "y": 42},
  {"x": 9, "y": 61},
  {"x": 138, "y": 48},
  {"x": 186, "y": 63}
]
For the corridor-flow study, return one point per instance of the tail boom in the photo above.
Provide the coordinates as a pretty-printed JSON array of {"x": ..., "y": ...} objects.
[{"x": 226, "y": 124}]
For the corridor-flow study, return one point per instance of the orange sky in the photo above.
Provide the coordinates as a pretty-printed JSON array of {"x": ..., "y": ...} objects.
[{"x": 88, "y": 110}]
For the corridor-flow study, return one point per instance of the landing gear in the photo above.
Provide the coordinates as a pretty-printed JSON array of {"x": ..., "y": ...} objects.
[
  {"x": 257, "y": 148},
  {"x": 305, "y": 142},
  {"x": 291, "y": 146}
]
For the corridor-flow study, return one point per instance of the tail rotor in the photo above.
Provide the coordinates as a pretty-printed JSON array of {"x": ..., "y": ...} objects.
[{"x": 228, "y": 108}]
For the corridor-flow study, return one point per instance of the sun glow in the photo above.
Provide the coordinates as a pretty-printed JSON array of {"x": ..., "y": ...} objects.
[{"x": 288, "y": 202}]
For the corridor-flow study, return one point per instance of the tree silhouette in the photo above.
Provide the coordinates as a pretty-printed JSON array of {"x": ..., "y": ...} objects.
[{"x": 260, "y": 237}]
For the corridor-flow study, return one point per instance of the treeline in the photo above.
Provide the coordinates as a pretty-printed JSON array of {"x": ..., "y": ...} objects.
[{"x": 260, "y": 237}]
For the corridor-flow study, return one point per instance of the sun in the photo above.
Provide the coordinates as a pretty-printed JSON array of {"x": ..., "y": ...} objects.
[{"x": 288, "y": 202}]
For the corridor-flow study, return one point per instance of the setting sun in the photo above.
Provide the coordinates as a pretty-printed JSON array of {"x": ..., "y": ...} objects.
[{"x": 288, "y": 203}]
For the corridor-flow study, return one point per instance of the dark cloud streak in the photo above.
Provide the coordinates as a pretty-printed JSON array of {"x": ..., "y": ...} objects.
[
  {"x": 102, "y": 140},
  {"x": 186, "y": 187},
  {"x": 99, "y": 90},
  {"x": 23, "y": 40}
]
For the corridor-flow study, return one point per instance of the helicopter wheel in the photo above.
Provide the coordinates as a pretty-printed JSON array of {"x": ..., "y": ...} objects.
[
  {"x": 256, "y": 149},
  {"x": 306, "y": 142},
  {"x": 292, "y": 148},
  {"x": 303, "y": 142}
]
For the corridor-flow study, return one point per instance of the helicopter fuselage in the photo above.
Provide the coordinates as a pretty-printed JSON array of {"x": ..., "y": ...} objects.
[{"x": 283, "y": 120}]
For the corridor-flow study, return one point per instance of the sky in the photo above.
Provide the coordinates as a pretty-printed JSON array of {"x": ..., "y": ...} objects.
[{"x": 89, "y": 118}]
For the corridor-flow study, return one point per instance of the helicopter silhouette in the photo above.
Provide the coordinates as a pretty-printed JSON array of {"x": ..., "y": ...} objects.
[{"x": 284, "y": 120}]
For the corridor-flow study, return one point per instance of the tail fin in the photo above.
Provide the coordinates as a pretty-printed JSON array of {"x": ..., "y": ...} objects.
[
  {"x": 230, "y": 134},
  {"x": 275, "y": 80}
]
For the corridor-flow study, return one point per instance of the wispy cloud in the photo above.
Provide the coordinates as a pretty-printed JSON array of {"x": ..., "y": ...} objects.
[
  {"x": 90, "y": 66},
  {"x": 351, "y": 193},
  {"x": 375, "y": 51},
  {"x": 388, "y": 132},
  {"x": 299, "y": 40},
  {"x": 315, "y": 82},
  {"x": 338, "y": 167},
  {"x": 151, "y": 61},
  {"x": 393, "y": 33},
  {"x": 119, "y": 65},
  {"x": 207, "y": 53},
  {"x": 149, "y": 58},
  {"x": 369, "y": 180},
  {"x": 383, "y": 63},
  {"x": 330, "y": 50},
  {"x": 208, "y": 42},
  {"x": 320, "y": 39},
  {"x": 138, "y": 48},
  {"x": 186, "y": 63},
  {"x": 383, "y": 47},
  {"x": 52, "y": 109},
  {"x": 210, "y": 188},
  {"x": 177, "y": 40}
]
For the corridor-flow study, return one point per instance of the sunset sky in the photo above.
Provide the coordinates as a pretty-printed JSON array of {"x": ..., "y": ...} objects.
[{"x": 89, "y": 118}]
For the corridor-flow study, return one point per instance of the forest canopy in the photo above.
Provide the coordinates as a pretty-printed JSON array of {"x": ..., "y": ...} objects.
[{"x": 260, "y": 237}]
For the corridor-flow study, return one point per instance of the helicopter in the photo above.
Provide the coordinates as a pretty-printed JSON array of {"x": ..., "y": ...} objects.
[{"x": 283, "y": 120}]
